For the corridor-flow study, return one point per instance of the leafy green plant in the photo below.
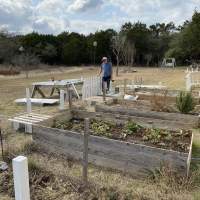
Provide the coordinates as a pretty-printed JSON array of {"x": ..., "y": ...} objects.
[
  {"x": 132, "y": 127},
  {"x": 154, "y": 136},
  {"x": 101, "y": 128},
  {"x": 185, "y": 102}
]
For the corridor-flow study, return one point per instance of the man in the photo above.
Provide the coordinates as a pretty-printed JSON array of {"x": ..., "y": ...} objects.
[{"x": 106, "y": 71}]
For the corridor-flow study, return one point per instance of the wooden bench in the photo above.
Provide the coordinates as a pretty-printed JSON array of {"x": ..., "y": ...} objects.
[{"x": 26, "y": 120}]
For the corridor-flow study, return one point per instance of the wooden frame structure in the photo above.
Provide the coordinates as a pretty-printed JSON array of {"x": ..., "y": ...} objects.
[
  {"x": 55, "y": 85},
  {"x": 136, "y": 159}
]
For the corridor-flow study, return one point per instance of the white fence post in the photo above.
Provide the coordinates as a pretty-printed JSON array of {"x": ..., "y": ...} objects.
[
  {"x": 28, "y": 101},
  {"x": 111, "y": 87},
  {"x": 62, "y": 100},
  {"x": 21, "y": 178},
  {"x": 188, "y": 82}
]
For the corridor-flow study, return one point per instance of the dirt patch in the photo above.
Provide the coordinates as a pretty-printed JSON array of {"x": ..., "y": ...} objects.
[{"x": 131, "y": 132}]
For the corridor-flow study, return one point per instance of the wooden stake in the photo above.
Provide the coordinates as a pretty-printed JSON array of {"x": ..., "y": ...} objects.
[
  {"x": 104, "y": 91},
  {"x": 125, "y": 85},
  {"x": 85, "y": 152},
  {"x": 28, "y": 101},
  {"x": 2, "y": 151},
  {"x": 62, "y": 100},
  {"x": 70, "y": 98}
]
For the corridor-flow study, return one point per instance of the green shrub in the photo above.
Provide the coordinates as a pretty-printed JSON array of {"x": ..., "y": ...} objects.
[{"x": 185, "y": 102}]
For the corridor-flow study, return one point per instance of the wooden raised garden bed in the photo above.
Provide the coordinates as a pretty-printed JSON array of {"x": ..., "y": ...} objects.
[
  {"x": 163, "y": 120},
  {"x": 116, "y": 143}
]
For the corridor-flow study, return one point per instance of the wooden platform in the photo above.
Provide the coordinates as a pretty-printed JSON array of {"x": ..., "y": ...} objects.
[
  {"x": 35, "y": 101},
  {"x": 25, "y": 121}
]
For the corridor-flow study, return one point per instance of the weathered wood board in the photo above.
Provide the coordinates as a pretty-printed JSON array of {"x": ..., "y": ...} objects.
[
  {"x": 129, "y": 157},
  {"x": 191, "y": 120},
  {"x": 148, "y": 122},
  {"x": 38, "y": 101}
]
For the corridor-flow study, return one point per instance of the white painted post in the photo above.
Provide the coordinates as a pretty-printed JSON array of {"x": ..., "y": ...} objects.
[
  {"x": 111, "y": 87},
  {"x": 28, "y": 101},
  {"x": 62, "y": 100},
  {"x": 21, "y": 178},
  {"x": 188, "y": 82}
]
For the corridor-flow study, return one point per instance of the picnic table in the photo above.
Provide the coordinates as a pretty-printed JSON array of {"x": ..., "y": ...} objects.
[{"x": 55, "y": 86}]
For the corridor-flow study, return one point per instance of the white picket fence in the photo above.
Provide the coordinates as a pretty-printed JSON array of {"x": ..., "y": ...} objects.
[
  {"x": 92, "y": 86},
  {"x": 192, "y": 79}
]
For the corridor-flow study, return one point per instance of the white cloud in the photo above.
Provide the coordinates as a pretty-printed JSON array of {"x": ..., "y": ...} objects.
[
  {"x": 152, "y": 11},
  {"x": 55, "y": 16},
  {"x": 49, "y": 25},
  {"x": 88, "y": 26},
  {"x": 50, "y": 17},
  {"x": 15, "y": 14},
  {"x": 51, "y": 7},
  {"x": 84, "y": 5}
]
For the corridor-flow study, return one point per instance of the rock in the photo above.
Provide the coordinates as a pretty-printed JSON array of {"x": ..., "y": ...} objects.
[
  {"x": 129, "y": 97},
  {"x": 162, "y": 144},
  {"x": 3, "y": 166}
]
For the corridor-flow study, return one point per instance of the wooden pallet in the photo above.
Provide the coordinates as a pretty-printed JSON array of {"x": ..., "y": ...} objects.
[{"x": 25, "y": 121}]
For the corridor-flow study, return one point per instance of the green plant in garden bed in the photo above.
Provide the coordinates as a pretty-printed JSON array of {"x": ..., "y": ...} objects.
[
  {"x": 185, "y": 102},
  {"x": 154, "y": 135},
  {"x": 132, "y": 127},
  {"x": 101, "y": 128},
  {"x": 73, "y": 124},
  {"x": 131, "y": 131}
]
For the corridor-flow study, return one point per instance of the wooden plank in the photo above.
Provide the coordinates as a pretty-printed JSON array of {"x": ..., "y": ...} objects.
[
  {"x": 30, "y": 118},
  {"x": 146, "y": 122},
  {"x": 97, "y": 160},
  {"x": 58, "y": 82},
  {"x": 37, "y": 101},
  {"x": 20, "y": 122},
  {"x": 106, "y": 149},
  {"x": 189, "y": 156},
  {"x": 33, "y": 92},
  {"x": 107, "y": 143},
  {"x": 27, "y": 119},
  {"x": 75, "y": 90},
  {"x": 36, "y": 117},
  {"x": 85, "y": 152},
  {"x": 28, "y": 101},
  {"x": 70, "y": 98},
  {"x": 40, "y": 91},
  {"x": 150, "y": 114},
  {"x": 40, "y": 115}
]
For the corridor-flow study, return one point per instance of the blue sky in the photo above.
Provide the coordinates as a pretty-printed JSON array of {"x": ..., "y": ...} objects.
[{"x": 85, "y": 16}]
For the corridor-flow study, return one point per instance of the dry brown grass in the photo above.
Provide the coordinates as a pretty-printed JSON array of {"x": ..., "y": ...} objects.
[
  {"x": 65, "y": 174},
  {"x": 54, "y": 177}
]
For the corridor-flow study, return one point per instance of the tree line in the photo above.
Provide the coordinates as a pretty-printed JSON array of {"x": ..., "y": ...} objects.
[{"x": 135, "y": 44}]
